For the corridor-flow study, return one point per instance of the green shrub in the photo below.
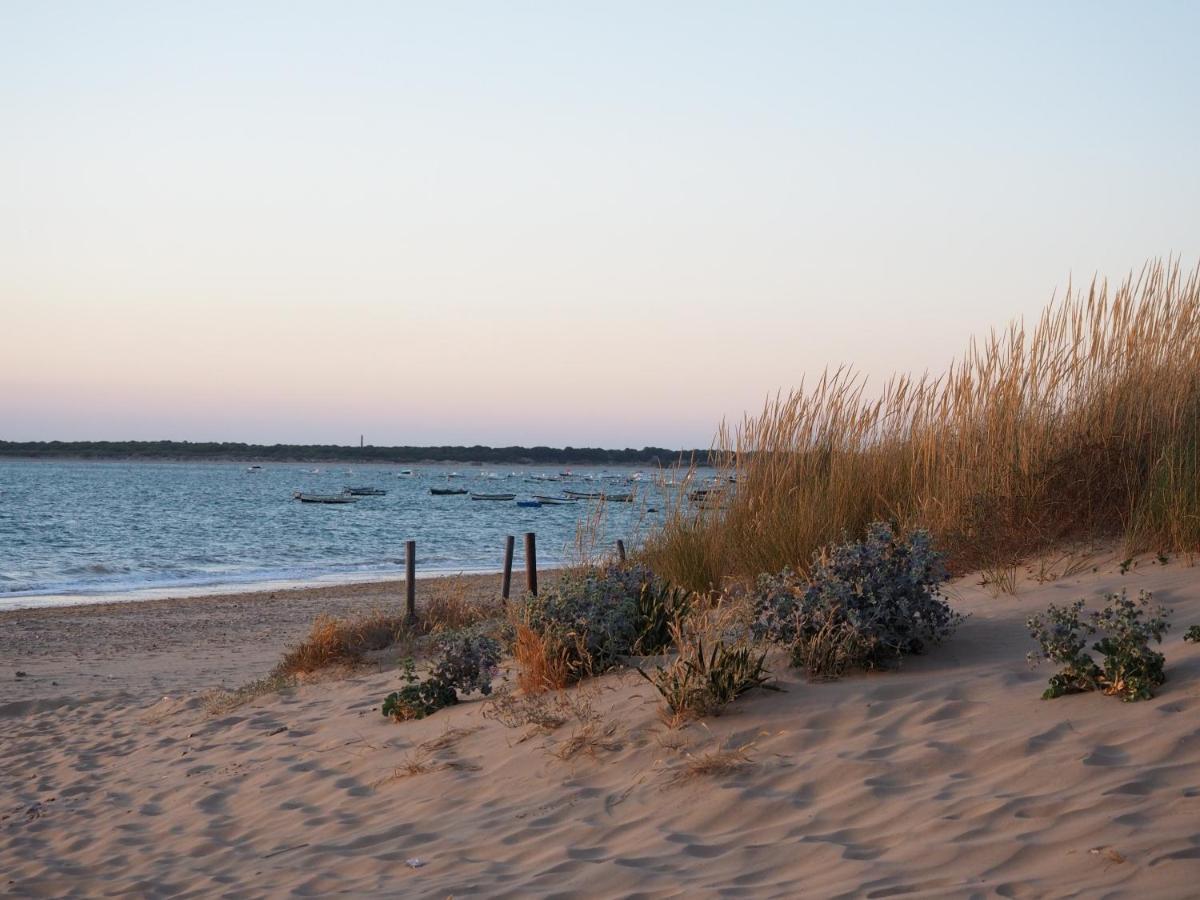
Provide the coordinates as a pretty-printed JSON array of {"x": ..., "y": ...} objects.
[
  {"x": 418, "y": 698},
  {"x": 467, "y": 662},
  {"x": 1130, "y": 669},
  {"x": 1192, "y": 634}
]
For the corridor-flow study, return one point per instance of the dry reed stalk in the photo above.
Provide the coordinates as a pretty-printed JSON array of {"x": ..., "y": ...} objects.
[{"x": 1084, "y": 426}]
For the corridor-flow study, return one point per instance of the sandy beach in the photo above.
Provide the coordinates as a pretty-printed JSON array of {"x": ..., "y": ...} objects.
[
  {"x": 147, "y": 648},
  {"x": 946, "y": 778}
]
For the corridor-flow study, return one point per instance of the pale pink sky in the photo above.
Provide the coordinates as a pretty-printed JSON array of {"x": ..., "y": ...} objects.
[{"x": 612, "y": 226}]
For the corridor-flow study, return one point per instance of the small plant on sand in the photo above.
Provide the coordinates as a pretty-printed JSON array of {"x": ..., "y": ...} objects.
[
  {"x": 700, "y": 683},
  {"x": 1192, "y": 634},
  {"x": 1130, "y": 670},
  {"x": 419, "y": 697},
  {"x": 829, "y": 646},
  {"x": 866, "y": 603},
  {"x": 467, "y": 663}
]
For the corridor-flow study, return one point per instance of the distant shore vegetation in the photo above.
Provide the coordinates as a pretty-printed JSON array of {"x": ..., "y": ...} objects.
[{"x": 201, "y": 451}]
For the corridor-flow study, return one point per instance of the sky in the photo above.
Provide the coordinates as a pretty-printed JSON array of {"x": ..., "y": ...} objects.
[{"x": 590, "y": 224}]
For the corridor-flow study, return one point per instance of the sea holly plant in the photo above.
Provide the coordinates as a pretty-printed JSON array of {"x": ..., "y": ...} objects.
[
  {"x": 866, "y": 603},
  {"x": 467, "y": 662},
  {"x": 1129, "y": 668}
]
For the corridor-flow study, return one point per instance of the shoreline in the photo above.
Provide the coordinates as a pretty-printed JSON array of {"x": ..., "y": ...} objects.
[
  {"x": 34, "y": 600},
  {"x": 144, "y": 649}
]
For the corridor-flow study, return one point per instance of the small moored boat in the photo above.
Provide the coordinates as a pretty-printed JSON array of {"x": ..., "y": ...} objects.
[
  {"x": 533, "y": 504},
  {"x": 553, "y": 501},
  {"x": 447, "y": 492},
  {"x": 365, "y": 491},
  {"x": 599, "y": 495},
  {"x": 475, "y": 496},
  {"x": 324, "y": 498}
]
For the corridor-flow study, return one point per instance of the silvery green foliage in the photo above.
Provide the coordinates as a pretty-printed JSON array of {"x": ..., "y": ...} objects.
[
  {"x": 1062, "y": 634},
  {"x": 467, "y": 662},
  {"x": 778, "y": 601},
  {"x": 1131, "y": 670},
  {"x": 884, "y": 587},
  {"x": 595, "y": 612}
]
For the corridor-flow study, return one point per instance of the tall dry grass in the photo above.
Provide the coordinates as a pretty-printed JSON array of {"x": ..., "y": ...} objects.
[{"x": 1084, "y": 426}]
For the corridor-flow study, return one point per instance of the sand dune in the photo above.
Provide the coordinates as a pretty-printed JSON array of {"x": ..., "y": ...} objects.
[{"x": 947, "y": 778}]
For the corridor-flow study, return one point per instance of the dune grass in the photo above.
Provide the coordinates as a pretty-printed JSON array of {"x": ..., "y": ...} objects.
[
  {"x": 333, "y": 642},
  {"x": 1084, "y": 426}
]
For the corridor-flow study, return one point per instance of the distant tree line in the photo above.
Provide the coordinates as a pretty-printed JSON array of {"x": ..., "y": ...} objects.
[{"x": 207, "y": 450}]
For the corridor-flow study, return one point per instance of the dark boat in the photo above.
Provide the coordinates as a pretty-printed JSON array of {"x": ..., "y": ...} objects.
[
  {"x": 447, "y": 492},
  {"x": 553, "y": 501},
  {"x": 534, "y": 504},
  {"x": 324, "y": 498},
  {"x": 599, "y": 495},
  {"x": 365, "y": 491},
  {"x": 475, "y": 496}
]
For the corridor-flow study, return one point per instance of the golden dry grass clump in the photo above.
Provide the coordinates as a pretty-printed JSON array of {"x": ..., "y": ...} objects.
[
  {"x": 451, "y": 605},
  {"x": 1085, "y": 426},
  {"x": 333, "y": 642},
  {"x": 543, "y": 663}
]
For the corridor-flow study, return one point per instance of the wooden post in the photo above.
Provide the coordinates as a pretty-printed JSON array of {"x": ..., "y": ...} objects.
[
  {"x": 410, "y": 579},
  {"x": 531, "y": 562},
  {"x": 620, "y": 550},
  {"x": 509, "y": 541}
]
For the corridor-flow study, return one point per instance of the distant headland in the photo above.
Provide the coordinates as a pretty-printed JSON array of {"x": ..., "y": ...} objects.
[{"x": 240, "y": 452}]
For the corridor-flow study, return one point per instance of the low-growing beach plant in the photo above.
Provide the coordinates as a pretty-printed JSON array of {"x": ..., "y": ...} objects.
[
  {"x": 467, "y": 662},
  {"x": 700, "y": 682},
  {"x": 866, "y": 603},
  {"x": 829, "y": 646},
  {"x": 1192, "y": 634},
  {"x": 1129, "y": 669},
  {"x": 419, "y": 697},
  {"x": 584, "y": 623}
]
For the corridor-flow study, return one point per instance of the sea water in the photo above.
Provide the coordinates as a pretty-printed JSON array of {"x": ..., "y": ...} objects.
[{"x": 85, "y": 531}]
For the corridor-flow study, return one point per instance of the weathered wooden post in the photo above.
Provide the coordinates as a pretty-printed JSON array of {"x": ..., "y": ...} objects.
[
  {"x": 410, "y": 579},
  {"x": 531, "y": 562},
  {"x": 505, "y": 585},
  {"x": 620, "y": 550}
]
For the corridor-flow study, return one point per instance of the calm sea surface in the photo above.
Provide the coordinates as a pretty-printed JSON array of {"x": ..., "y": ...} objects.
[{"x": 72, "y": 532}]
